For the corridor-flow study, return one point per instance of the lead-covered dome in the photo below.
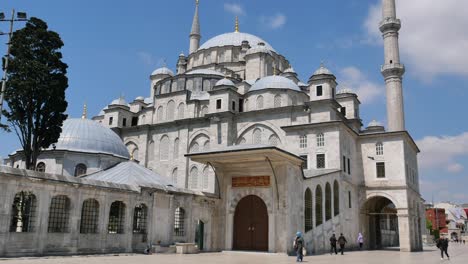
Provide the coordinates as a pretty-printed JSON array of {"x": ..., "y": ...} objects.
[
  {"x": 162, "y": 71},
  {"x": 274, "y": 82},
  {"x": 84, "y": 135},
  {"x": 234, "y": 39}
]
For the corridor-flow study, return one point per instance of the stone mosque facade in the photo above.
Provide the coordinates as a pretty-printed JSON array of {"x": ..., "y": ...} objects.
[{"x": 231, "y": 152}]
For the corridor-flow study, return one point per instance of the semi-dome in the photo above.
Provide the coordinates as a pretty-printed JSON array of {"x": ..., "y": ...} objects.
[
  {"x": 234, "y": 39},
  {"x": 84, "y": 135},
  {"x": 274, "y": 82},
  {"x": 162, "y": 71},
  {"x": 224, "y": 82}
]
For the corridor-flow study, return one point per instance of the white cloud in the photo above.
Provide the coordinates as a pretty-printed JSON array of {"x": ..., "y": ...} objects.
[
  {"x": 146, "y": 58},
  {"x": 273, "y": 22},
  {"x": 355, "y": 79},
  {"x": 433, "y": 37},
  {"x": 234, "y": 9},
  {"x": 442, "y": 152}
]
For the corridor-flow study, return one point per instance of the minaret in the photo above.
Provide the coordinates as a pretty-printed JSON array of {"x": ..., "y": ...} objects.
[
  {"x": 392, "y": 69},
  {"x": 195, "y": 33}
]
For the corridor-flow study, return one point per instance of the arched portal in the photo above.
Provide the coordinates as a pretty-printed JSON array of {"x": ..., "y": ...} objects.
[
  {"x": 251, "y": 224},
  {"x": 382, "y": 223}
]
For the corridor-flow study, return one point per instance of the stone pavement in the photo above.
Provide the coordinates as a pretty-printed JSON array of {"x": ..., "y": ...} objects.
[{"x": 458, "y": 253}]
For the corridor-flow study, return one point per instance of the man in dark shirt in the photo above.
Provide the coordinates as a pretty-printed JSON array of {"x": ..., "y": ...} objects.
[
  {"x": 333, "y": 245},
  {"x": 342, "y": 241}
]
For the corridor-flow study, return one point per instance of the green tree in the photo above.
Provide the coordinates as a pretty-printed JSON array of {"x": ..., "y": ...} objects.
[{"x": 35, "y": 91}]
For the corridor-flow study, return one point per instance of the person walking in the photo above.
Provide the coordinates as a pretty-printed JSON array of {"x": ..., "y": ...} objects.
[
  {"x": 333, "y": 245},
  {"x": 299, "y": 246},
  {"x": 360, "y": 240},
  {"x": 342, "y": 241},
  {"x": 442, "y": 244}
]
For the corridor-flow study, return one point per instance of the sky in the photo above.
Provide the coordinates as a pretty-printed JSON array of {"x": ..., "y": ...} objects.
[{"x": 111, "y": 47}]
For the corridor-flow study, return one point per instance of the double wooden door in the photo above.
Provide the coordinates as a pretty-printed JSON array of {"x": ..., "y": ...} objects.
[{"x": 251, "y": 224}]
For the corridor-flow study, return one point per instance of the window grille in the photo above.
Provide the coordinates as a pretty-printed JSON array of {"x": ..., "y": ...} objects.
[
  {"x": 80, "y": 169},
  {"x": 277, "y": 101},
  {"x": 164, "y": 148},
  {"x": 179, "y": 222},
  {"x": 41, "y": 167},
  {"x": 257, "y": 136},
  {"x": 380, "y": 169},
  {"x": 242, "y": 141},
  {"x": 206, "y": 173},
  {"x": 195, "y": 148},
  {"x": 194, "y": 178},
  {"x": 23, "y": 212},
  {"x": 59, "y": 214},
  {"x": 140, "y": 216},
  {"x": 379, "y": 149},
  {"x": 303, "y": 141},
  {"x": 336, "y": 198},
  {"x": 89, "y": 217},
  {"x": 273, "y": 140},
  {"x": 259, "y": 102},
  {"x": 320, "y": 140},
  {"x": 320, "y": 161},
  {"x": 328, "y": 203},
  {"x": 206, "y": 146},
  {"x": 318, "y": 206},
  {"x": 308, "y": 210},
  {"x": 170, "y": 110},
  {"x": 116, "y": 218}
]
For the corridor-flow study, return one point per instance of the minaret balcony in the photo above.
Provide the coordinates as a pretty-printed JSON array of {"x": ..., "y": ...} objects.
[
  {"x": 393, "y": 70},
  {"x": 390, "y": 23}
]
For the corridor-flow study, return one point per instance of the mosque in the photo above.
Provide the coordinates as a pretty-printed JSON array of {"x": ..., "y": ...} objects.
[{"x": 231, "y": 152}]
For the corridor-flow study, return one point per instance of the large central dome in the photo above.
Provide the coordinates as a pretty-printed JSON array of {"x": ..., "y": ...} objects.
[
  {"x": 84, "y": 135},
  {"x": 234, "y": 39}
]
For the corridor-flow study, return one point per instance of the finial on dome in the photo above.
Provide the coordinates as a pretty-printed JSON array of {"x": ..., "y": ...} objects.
[
  {"x": 236, "y": 28},
  {"x": 85, "y": 112}
]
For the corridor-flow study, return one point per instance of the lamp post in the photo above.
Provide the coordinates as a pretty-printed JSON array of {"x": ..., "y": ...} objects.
[{"x": 20, "y": 16}]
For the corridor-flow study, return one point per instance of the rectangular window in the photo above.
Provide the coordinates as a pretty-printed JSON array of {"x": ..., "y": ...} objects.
[
  {"x": 241, "y": 105},
  {"x": 111, "y": 119},
  {"x": 343, "y": 110},
  {"x": 344, "y": 163},
  {"x": 349, "y": 199},
  {"x": 349, "y": 166},
  {"x": 305, "y": 163},
  {"x": 320, "y": 161},
  {"x": 380, "y": 169},
  {"x": 124, "y": 122},
  {"x": 303, "y": 141},
  {"x": 319, "y": 90},
  {"x": 218, "y": 104},
  {"x": 135, "y": 121},
  {"x": 233, "y": 105}
]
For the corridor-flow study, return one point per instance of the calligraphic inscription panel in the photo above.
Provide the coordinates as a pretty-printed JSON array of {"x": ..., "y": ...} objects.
[{"x": 251, "y": 181}]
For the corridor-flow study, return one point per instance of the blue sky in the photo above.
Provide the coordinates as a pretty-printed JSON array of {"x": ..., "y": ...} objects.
[{"x": 111, "y": 47}]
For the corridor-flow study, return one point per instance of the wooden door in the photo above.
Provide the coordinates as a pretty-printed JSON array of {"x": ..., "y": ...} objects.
[{"x": 251, "y": 224}]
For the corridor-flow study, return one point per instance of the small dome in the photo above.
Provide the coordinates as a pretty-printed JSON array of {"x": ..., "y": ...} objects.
[
  {"x": 301, "y": 84},
  {"x": 84, "y": 135},
  {"x": 323, "y": 71},
  {"x": 224, "y": 82},
  {"x": 119, "y": 101},
  {"x": 162, "y": 71},
  {"x": 274, "y": 82},
  {"x": 234, "y": 39},
  {"x": 289, "y": 70},
  {"x": 140, "y": 98},
  {"x": 374, "y": 123},
  {"x": 258, "y": 49},
  {"x": 345, "y": 91}
]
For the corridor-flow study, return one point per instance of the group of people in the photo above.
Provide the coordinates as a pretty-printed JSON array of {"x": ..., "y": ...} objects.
[{"x": 341, "y": 241}]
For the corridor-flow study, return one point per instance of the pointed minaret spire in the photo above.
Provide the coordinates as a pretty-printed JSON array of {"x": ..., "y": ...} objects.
[
  {"x": 236, "y": 27},
  {"x": 195, "y": 33},
  {"x": 85, "y": 112}
]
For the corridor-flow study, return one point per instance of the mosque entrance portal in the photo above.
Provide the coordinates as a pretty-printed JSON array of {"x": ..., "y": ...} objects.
[
  {"x": 382, "y": 222},
  {"x": 251, "y": 224}
]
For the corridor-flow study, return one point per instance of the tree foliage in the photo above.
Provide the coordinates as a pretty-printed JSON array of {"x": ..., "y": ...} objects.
[{"x": 35, "y": 91}]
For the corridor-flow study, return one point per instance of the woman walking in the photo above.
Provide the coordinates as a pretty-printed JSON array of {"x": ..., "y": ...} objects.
[
  {"x": 360, "y": 240},
  {"x": 299, "y": 246}
]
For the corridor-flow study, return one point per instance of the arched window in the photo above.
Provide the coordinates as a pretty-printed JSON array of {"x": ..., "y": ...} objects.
[
  {"x": 273, "y": 140},
  {"x": 206, "y": 173},
  {"x": 194, "y": 178},
  {"x": 195, "y": 148},
  {"x": 170, "y": 111},
  {"x": 89, "y": 217},
  {"x": 242, "y": 141},
  {"x": 379, "y": 149},
  {"x": 160, "y": 114},
  {"x": 23, "y": 212},
  {"x": 277, "y": 101},
  {"x": 59, "y": 214},
  {"x": 135, "y": 154},
  {"x": 179, "y": 217},
  {"x": 336, "y": 198},
  {"x": 308, "y": 210},
  {"x": 206, "y": 146},
  {"x": 318, "y": 206},
  {"x": 181, "y": 111},
  {"x": 151, "y": 151},
  {"x": 164, "y": 148},
  {"x": 140, "y": 215},
  {"x": 176, "y": 148},
  {"x": 328, "y": 202},
  {"x": 257, "y": 136},
  {"x": 41, "y": 167},
  {"x": 175, "y": 176},
  {"x": 320, "y": 140},
  {"x": 116, "y": 218},
  {"x": 80, "y": 169},
  {"x": 259, "y": 102}
]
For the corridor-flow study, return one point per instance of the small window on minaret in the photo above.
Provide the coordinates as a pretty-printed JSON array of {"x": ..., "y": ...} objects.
[{"x": 319, "y": 90}]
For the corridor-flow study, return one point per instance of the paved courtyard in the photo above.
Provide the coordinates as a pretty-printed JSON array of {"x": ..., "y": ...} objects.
[{"x": 459, "y": 254}]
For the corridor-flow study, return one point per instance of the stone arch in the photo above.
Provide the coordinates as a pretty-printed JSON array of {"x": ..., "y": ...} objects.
[
  {"x": 170, "y": 112},
  {"x": 266, "y": 124},
  {"x": 198, "y": 133},
  {"x": 371, "y": 195},
  {"x": 269, "y": 127},
  {"x": 200, "y": 139},
  {"x": 246, "y": 192}
]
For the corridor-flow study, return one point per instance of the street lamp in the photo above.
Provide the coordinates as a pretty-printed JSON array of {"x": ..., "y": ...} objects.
[{"x": 20, "y": 16}]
